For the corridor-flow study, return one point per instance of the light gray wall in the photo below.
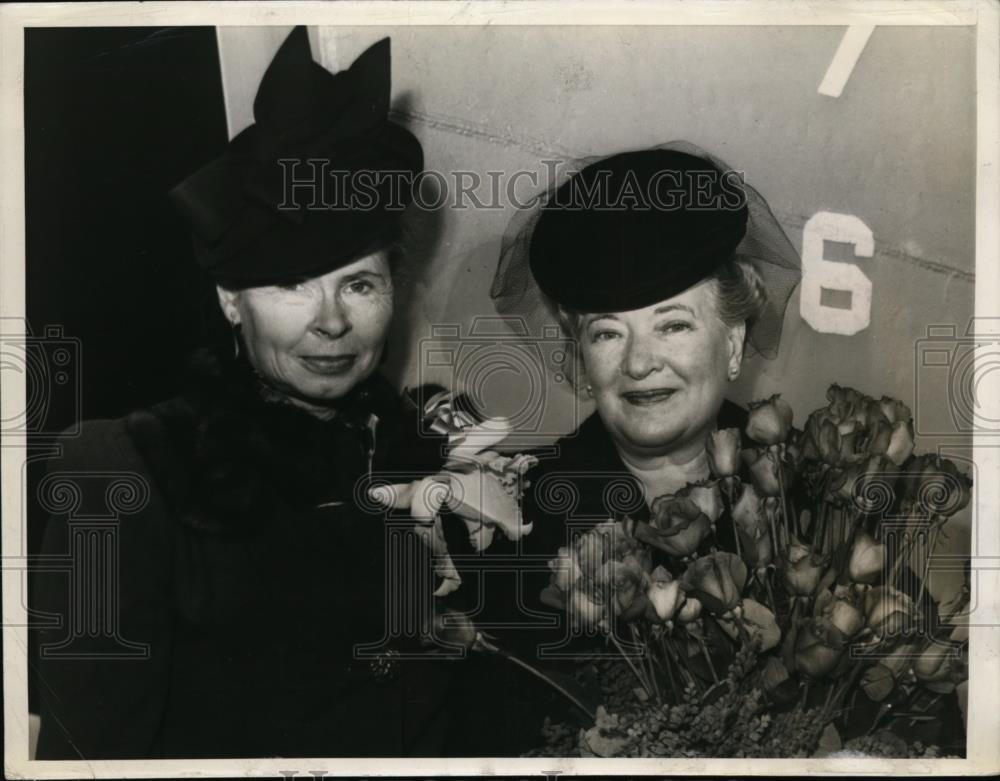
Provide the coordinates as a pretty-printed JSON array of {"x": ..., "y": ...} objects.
[{"x": 895, "y": 151}]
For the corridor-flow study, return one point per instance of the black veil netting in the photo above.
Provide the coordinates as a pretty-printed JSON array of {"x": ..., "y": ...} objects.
[{"x": 516, "y": 295}]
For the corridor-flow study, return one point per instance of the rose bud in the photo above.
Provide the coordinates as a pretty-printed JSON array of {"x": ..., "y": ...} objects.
[
  {"x": 900, "y": 661},
  {"x": 678, "y": 526},
  {"x": 454, "y": 628},
  {"x": 774, "y": 674},
  {"x": 626, "y": 581},
  {"x": 748, "y": 512},
  {"x": 689, "y": 611},
  {"x": 759, "y": 623},
  {"x": 769, "y": 421},
  {"x": 829, "y": 442},
  {"x": 889, "y": 611},
  {"x": 811, "y": 433},
  {"x": 716, "y": 580},
  {"x": 848, "y": 433},
  {"x": 901, "y": 443},
  {"x": 588, "y": 612},
  {"x": 756, "y": 547},
  {"x": 803, "y": 570},
  {"x": 810, "y": 436},
  {"x": 895, "y": 411},
  {"x": 867, "y": 559},
  {"x": 959, "y": 489},
  {"x": 724, "y": 452},
  {"x": 838, "y": 611},
  {"x": 934, "y": 486},
  {"x": 879, "y": 436},
  {"x": 706, "y": 496},
  {"x": 873, "y": 418},
  {"x": 664, "y": 594},
  {"x": 912, "y": 478},
  {"x": 793, "y": 455},
  {"x": 812, "y": 655},
  {"x": 603, "y": 542},
  {"x": 935, "y": 663},
  {"x": 565, "y": 569},
  {"x": 846, "y": 403},
  {"x": 763, "y": 471}
]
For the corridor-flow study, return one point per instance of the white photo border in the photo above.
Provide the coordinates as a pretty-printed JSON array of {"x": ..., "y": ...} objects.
[{"x": 984, "y": 715}]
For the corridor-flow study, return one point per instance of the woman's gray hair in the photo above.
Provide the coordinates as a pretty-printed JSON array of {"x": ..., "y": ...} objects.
[{"x": 740, "y": 295}]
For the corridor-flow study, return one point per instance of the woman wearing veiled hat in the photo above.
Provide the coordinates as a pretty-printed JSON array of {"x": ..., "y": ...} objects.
[
  {"x": 251, "y": 576},
  {"x": 662, "y": 266}
]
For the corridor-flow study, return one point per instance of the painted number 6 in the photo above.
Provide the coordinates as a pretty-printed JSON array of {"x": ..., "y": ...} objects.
[{"x": 819, "y": 274}]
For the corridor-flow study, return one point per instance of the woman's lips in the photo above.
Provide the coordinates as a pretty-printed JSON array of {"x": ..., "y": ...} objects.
[
  {"x": 328, "y": 365},
  {"x": 648, "y": 397}
]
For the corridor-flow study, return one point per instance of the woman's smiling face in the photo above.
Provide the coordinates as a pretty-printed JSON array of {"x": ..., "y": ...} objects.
[
  {"x": 659, "y": 374},
  {"x": 317, "y": 338}
]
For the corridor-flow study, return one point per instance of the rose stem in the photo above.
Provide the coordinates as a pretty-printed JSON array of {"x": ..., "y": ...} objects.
[
  {"x": 784, "y": 499},
  {"x": 829, "y": 696},
  {"x": 681, "y": 661},
  {"x": 647, "y": 658},
  {"x": 770, "y": 593},
  {"x": 819, "y": 530},
  {"x": 774, "y": 535},
  {"x": 524, "y": 665},
  {"x": 708, "y": 658},
  {"x": 631, "y": 664},
  {"x": 851, "y": 678},
  {"x": 673, "y": 683},
  {"x": 902, "y": 552},
  {"x": 927, "y": 560}
]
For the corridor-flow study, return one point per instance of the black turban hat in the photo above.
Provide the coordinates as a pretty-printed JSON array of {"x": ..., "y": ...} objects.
[
  {"x": 637, "y": 228},
  {"x": 253, "y": 224}
]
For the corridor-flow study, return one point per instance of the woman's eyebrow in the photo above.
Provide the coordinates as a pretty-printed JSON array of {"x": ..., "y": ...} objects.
[
  {"x": 359, "y": 274},
  {"x": 602, "y": 316},
  {"x": 672, "y": 307}
]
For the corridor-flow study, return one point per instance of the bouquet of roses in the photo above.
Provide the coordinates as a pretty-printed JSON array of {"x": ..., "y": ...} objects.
[{"x": 780, "y": 608}]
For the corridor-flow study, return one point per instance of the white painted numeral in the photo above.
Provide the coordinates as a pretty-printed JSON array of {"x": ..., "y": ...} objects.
[{"x": 819, "y": 274}]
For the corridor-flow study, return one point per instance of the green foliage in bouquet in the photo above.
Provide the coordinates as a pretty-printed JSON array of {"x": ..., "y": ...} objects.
[{"x": 780, "y": 608}]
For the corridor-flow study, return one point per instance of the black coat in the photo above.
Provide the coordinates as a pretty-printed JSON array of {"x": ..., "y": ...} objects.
[
  {"x": 579, "y": 482},
  {"x": 240, "y": 601}
]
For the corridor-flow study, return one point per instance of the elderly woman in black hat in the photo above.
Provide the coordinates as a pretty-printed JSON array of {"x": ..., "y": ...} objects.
[
  {"x": 662, "y": 266},
  {"x": 250, "y": 579}
]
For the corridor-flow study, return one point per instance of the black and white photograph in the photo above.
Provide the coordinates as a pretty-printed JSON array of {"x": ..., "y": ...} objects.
[{"x": 508, "y": 388}]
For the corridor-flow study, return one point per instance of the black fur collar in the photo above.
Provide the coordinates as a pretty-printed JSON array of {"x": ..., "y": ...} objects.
[{"x": 228, "y": 461}]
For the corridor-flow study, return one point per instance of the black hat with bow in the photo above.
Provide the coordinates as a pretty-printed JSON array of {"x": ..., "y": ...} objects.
[{"x": 320, "y": 179}]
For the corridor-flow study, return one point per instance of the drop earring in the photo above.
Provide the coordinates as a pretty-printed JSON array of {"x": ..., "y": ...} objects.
[{"x": 236, "y": 339}]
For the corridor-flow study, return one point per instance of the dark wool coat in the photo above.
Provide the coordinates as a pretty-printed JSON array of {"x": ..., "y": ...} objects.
[{"x": 248, "y": 598}]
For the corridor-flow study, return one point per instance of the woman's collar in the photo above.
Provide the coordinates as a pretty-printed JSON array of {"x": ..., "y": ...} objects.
[{"x": 236, "y": 378}]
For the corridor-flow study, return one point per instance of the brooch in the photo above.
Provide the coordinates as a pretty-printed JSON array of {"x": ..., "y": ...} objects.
[{"x": 385, "y": 667}]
